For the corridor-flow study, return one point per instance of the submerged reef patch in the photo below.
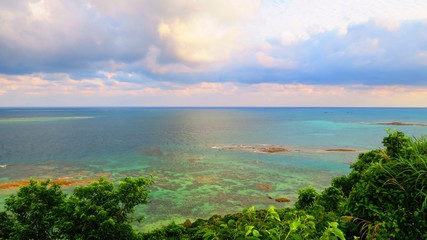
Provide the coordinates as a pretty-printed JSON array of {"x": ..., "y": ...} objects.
[
  {"x": 402, "y": 124},
  {"x": 66, "y": 181},
  {"x": 279, "y": 149}
]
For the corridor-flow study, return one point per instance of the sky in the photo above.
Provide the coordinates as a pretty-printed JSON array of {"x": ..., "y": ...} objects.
[{"x": 355, "y": 53}]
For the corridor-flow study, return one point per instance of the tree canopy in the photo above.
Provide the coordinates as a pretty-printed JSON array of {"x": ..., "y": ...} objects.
[{"x": 100, "y": 210}]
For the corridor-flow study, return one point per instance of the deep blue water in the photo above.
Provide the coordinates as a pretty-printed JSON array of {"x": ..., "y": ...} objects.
[{"x": 193, "y": 179}]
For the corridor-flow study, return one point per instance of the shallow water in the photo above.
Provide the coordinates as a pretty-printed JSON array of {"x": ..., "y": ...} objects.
[{"x": 193, "y": 179}]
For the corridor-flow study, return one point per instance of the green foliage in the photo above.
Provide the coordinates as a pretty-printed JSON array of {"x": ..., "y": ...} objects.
[
  {"x": 102, "y": 210},
  {"x": 171, "y": 232},
  {"x": 365, "y": 160},
  {"x": 398, "y": 144},
  {"x": 6, "y": 226},
  {"x": 390, "y": 198},
  {"x": 333, "y": 232},
  {"x": 385, "y": 195},
  {"x": 98, "y": 211},
  {"x": 330, "y": 199},
  {"x": 306, "y": 198},
  {"x": 36, "y": 210},
  {"x": 271, "y": 223}
]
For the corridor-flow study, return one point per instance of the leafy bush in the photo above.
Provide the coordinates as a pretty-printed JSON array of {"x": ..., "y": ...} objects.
[
  {"x": 171, "y": 232},
  {"x": 97, "y": 211},
  {"x": 385, "y": 195},
  {"x": 36, "y": 211},
  {"x": 306, "y": 198},
  {"x": 6, "y": 226},
  {"x": 271, "y": 223},
  {"x": 330, "y": 199},
  {"x": 102, "y": 210},
  {"x": 389, "y": 198}
]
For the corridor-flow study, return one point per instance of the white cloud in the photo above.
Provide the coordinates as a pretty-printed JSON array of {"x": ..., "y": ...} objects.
[
  {"x": 211, "y": 31},
  {"x": 201, "y": 39},
  {"x": 271, "y": 62},
  {"x": 387, "y": 23},
  {"x": 299, "y": 19},
  {"x": 39, "y": 10},
  {"x": 289, "y": 38}
]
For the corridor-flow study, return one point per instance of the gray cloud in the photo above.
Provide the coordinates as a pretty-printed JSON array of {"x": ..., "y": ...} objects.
[
  {"x": 366, "y": 54},
  {"x": 84, "y": 38},
  {"x": 69, "y": 36}
]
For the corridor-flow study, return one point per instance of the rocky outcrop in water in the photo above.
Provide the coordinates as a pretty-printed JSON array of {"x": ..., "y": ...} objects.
[
  {"x": 282, "y": 200},
  {"x": 254, "y": 148},
  {"x": 402, "y": 124},
  {"x": 278, "y": 149},
  {"x": 265, "y": 186}
]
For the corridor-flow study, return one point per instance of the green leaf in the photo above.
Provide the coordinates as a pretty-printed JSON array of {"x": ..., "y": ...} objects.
[
  {"x": 208, "y": 235},
  {"x": 248, "y": 230}
]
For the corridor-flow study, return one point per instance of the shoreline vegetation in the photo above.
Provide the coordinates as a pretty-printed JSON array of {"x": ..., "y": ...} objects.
[{"x": 383, "y": 197}]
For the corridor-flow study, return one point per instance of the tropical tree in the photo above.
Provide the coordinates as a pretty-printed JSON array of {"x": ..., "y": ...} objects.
[{"x": 100, "y": 210}]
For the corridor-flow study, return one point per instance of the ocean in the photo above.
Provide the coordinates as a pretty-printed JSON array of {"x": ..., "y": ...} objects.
[{"x": 206, "y": 160}]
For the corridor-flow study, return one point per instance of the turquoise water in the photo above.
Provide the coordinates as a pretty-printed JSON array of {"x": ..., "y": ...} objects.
[{"x": 176, "y": 144}]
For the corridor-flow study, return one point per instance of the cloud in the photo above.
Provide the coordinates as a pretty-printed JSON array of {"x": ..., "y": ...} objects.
[
  {"x": 366, "y": 54},
  {"x": 66, "y": 36},
  {"x": 200, "y": 40},
  {"x": 56, "y": 36},
  {"x": 299, "y": 20},
  {"x": 27, "y": 90},
  {"x": 210, "y": 34},
  {"x": 187, "y": 48},
  {"x": 151, "y": 62}
]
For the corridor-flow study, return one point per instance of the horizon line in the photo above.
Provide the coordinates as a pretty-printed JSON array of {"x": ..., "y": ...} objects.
[{"x": 4, "y": 107}]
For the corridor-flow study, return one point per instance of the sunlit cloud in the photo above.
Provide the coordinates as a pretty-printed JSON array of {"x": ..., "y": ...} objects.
[
  {"x": 212, "y": 33},
  {"x": 200, "y": 40},
  {"x": 249, "y": 52},
  {"x": 74, "y": 92}
]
